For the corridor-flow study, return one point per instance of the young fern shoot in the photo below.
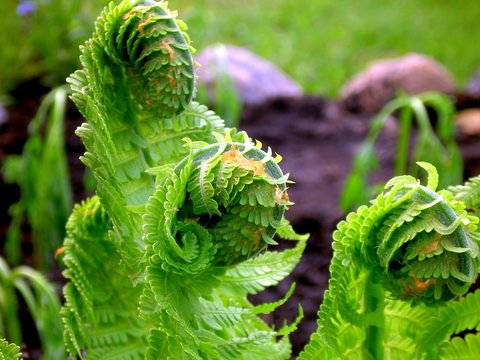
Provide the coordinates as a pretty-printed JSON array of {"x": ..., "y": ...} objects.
[
  {"x": 436, "y": 146},
  {"x": 161, "y": 261},
  {"x": 399, "y": 267},
  {"x": 9, "y": 351}
]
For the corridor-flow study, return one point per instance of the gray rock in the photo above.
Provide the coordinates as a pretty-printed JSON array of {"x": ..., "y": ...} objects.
[
  {"x": 473, "y": 86},
  {"x": 3, "y": 115},
  {"x": 371, "y": 89},
  {"x": 254, "y": 79}
]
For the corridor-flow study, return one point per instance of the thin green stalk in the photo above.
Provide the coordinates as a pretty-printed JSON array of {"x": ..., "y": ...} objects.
[
  {"x": 48, "y": 234},
  {"x": 441, "y": 151},
  {"x": 46, "y": 196},
  {"x": 374, "y": 301},
  {"x": 403, "y": 140},
  {"x": 8, "y": 305}
]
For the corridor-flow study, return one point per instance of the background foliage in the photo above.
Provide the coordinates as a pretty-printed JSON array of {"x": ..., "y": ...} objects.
[
  {"x": 40, "y": 38},
  {"x": 320, "y": 43}
]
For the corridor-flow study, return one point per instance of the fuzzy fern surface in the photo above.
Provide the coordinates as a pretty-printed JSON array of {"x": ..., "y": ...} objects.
[
  {"x": 400, "y": 269},
  {"x": 161, "y": 261},
  {"x": 9, "y": 351}
]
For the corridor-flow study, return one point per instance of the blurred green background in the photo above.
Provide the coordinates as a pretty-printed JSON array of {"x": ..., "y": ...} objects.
[
  {"x": 322, "y": 43},
  {"x": 319, "y": 43}
]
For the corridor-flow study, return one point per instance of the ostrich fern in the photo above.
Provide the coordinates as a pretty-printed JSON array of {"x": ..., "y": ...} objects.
[
  {"x": 161, "y": 261},
  {"x": 400, "y": 270}
]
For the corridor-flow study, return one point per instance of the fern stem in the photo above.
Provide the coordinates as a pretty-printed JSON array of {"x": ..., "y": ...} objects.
[
  {"x": 374, "y": 304},
  {"x": 9, "y": 306},
  {"x": 403, "y": 137}
]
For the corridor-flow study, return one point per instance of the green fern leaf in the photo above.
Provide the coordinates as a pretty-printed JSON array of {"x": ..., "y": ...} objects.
[
  {"x": 181, "y": 201},
  {"x": 397, "y": 347},
  {"x": 268, "y": 269},
  {"x": 469, "y": 193},
  {"x": 411, "y": 244},
  {"x": 462, "y": 349},
  {"x": 219, "y": 317},
  {"x": 9, "y": 351},
  {"x": 91, "y": 293},
  {"x": 452, "y": 319}
]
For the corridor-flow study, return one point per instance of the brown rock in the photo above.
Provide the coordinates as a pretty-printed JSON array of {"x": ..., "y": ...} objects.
[
  {"x": 371, "y": 89},
  {"x": 468, "y": 121}
]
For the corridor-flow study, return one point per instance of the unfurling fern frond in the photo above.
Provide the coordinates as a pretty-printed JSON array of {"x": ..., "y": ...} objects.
[
  {"x": 469, "y": 193},
  {"x": 192, "y": 240},
  {"x": 135, "y": 90},
  {"x": 9, "y": 351},
  {"x": 100, "y": 312},
  {"x": 184, "y": 213},
  {"x": 184, "y": 209},
  {"x": 410, "y": 248}
]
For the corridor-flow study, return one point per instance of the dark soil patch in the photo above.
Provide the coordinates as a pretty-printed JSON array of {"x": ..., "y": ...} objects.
[{"x": 317, "y": 139}]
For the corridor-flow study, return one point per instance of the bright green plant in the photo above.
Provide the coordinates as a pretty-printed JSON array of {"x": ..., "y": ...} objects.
[
  {"x": 398, "y": 275},
  {"x": 161, "y": 262},
  {"x": 9, "y": 351},
  {"x": 41, "y": 172},
  {"x": 436, "y": 147},
  {"x": 42, "y": 302}
]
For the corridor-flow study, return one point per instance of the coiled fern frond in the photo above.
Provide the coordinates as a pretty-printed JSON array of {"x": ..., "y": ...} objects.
[
  {"x": 161, "y": 261},
  {"x": 468, "y": 193},
  {"x": 396, "y": 263},
  {"x": 220, "y": 206},
  {"x": 135, "y": 90},
  {"x": 9, "y": 351}
]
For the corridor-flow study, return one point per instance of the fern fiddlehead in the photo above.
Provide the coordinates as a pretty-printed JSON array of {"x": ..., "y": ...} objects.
[
  {"x": 9, "y": 351},
  {"x": 236, "y": 195},
  {"x": 137, "y": 77},
  {"x": 411, "y": 247},
  {"x": 160, "y": 263}
]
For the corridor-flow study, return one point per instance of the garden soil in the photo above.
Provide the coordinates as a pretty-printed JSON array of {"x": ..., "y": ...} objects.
[{"x": 317, "y": 139}]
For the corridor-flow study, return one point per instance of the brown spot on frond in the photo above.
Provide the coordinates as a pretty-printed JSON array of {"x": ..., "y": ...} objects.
[
  {"x": 234, "y": 156},
  {"x": 171, "y": 81},
  {"x": 257, "y": 236},
  {"x": 430, "y": 248},
  {"x": 281, "y": 196},
  {"x": 58, "y": 252},
  {"x": 166, "y": 46},
  {"x": 131, "y": 12},
  {"x": 417, "y": 288},
  {"x": 128, "y": 14}
]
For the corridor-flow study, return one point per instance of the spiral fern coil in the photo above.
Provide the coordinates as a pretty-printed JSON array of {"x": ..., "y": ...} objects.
[{"x": 161, "y": 261}]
